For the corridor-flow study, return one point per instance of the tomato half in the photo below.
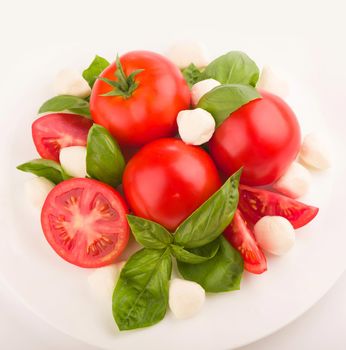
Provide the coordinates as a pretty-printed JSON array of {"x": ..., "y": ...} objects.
[
  {"x": 239, "y": 234},
  {"x": 262, "y": 136},
  {"x": 168, "y": 179},
  {"x": 85, "y": 222},
  {"x": 57, "y": 130},
  {"x": 255, "y": 203},
  {"x": 151, "y": 109}
]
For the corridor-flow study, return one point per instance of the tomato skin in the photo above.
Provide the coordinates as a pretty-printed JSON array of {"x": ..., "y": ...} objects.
[
  {"x": 150, "y": 113},
  {"x": 168, "y": 179},
  {"x": 262, "y": 136}
]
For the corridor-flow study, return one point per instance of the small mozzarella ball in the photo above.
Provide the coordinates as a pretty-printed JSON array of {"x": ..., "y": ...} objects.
[
  {"x": 274, "y": 234},
  {"x": 73, "y": 160},
  {"x": 186, "y": 298},
  {"x": 269, "y": 81},
  {"x": 184, "y": 53},
  {"x": 37, "y": 190},
  {"x": 195, "y": 126},
  {"x": 313, "y": 154},
  {"x": 201, "y": 88},
  {"x": 70, "y": 82},
  {"x": 295, "y": 182}
]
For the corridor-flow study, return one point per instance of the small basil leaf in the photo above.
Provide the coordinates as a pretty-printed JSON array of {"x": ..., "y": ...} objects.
[
  {"x": 234, "y": 67},
  {"x": 192, "y": 74},
  {"x": 221, "y": 273},
  {"x": 66, "y": 103},
  {"x": 225, "y": 99},
  {"x": 104, "y": 160},
  {"x": 149, "y": 233},
  {"x": 97, "y": 66},
  {"x": 206, "y": 223},
  {"x": 140, "y": 297}
]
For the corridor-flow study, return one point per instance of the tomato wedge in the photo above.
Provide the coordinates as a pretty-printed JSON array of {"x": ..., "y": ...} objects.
[
  {"x": 239, "y": 234},
  {"x": 85, "y": 222},
  {"x": 255, "y": 203},
  {"x": 57, "y": 130}
]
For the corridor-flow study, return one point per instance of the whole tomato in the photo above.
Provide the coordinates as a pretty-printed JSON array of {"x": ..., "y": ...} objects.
[
  {"x": 262, "y": 136},
  {"x": 138, "y": 97},
  {"x": 168, "y": 179}
]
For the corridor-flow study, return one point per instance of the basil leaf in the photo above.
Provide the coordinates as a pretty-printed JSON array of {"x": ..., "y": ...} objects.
[
  {"x": 140, "y": 297},
  {"x": 104, "y": 160},
  {"x": 192, "y": 74},
  {"x": 49, "y": 169},
  {"x": 97, "y": 66},
  {"x": 149, "y": 233},
  {"x": 206, "y": 223},
  {"x": 221, "y": 273},
  {"x": 234, "y": 67},
  {"x": 225, "y": 99},
  {"x": 187, "y": 257},
  {"x": 66, "y": 103}
]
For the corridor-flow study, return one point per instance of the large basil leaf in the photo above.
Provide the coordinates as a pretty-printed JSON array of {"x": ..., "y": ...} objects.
[
  {"x": 140, "y": 297},
  {"x": 225, "y": 99},
  {"x": 234, "y": 67},
  {"x": 104, "y": 160},
  {"x": 97, "y": 66},
  {"x": 206, "y": 223},
  {"x": 149, "y": 233},
  {"x": 221, "y": 273},
  {"x": 192, "y": 75}
]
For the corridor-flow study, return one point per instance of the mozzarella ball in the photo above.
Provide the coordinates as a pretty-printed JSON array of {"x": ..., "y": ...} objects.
[
  {"x": 313, "y": 154},
  {"x": 70, "y": 82},
  {"x": 274, "y": 234},
  {"x": 73, "y": 160},
  {"x": 37, "y": 190},
  {"x": 295, "y": 182},
  {"x": 186, "y": 298},
  {"x": 270, "y": 82},
  {"x": 201, "y": 88},
  {"x": 195, "y": 126},
  {"x": 184, "y": 53}
]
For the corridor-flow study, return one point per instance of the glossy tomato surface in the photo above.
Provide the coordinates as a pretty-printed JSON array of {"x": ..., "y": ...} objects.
[
  {"x": 85, "y": 222},
  {"x": 262, "y": 136},
  {"x": 168, "y": 179},
  {"x": 150, "y": 113}
]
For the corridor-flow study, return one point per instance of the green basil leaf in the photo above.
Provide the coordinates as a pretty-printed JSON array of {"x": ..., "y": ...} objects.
[
  {"x": 225, "y": 99},
  {"x": 234, "y": 67},
  {"x": 186, "y": 256},
  {"x": 221, "y": 273},
  {"x": 192, "y": 74},
  {"x": 104, "y": 160},
  {"x": 140, "y": 297},
  {"x": 206, "y": 223},
  {"x": 69, "y": 103},
  {"x": 97, "y": 66},
  {"x": 149, "y": 233}
]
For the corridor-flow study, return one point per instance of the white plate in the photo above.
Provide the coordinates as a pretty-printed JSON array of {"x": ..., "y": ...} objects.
[{"x": 59, "y": 293}]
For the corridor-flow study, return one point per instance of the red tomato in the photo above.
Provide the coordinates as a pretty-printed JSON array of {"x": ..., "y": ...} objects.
[
  {"x": 168, "y": 179},
  {"x": 239, "y": 234},
  {"x": 85, "y": 222},
  {"x": 150, "y": 112},
  {"x": 255, "y": 203},
  {"x": 262, "y": 136},
  {"x": 57, "y": 130}
]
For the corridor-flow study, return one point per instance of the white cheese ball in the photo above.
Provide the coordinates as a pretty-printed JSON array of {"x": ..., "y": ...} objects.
[
  {"x": 73, "y": 160},
  {"x": 195, "y": 126},
  {"x": 274, "y": 234},
  {"x": 271, "y": 82},
  {"x": 37, "y": 190},
  {"x": 70, "y": 82},
  {"x": 201, "y": 88},
  {"x": 295, "y": 182},
  {"x": 186, "y": 298},
  {"x": 313, "y": 153}
]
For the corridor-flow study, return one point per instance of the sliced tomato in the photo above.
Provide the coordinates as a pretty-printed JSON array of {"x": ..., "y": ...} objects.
[
  {"x": 85, "y": 222},
  {"x": 239, "y": 234},
  {"x": 255, "y": 203},
  {"x": 57, "y": 130}
]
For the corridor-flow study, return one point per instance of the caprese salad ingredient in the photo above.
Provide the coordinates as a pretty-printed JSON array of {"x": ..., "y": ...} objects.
[
  {"x": 70, "y": 82},
  {"x": 270, "y": 81},
  {"x": 201, "y": 88},
  {"x": 73, "y": 160}
]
